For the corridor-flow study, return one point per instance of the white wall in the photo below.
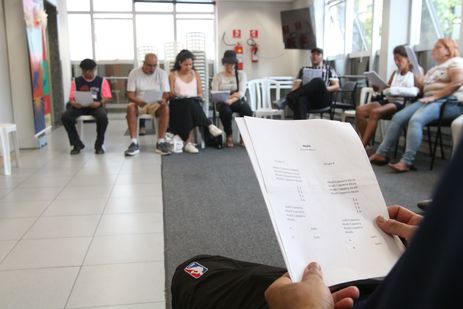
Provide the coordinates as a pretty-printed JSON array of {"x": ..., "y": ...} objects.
[
  {"x": 64, "y": 51},
  {"x": 265, "y": 17},
  {"x": 6, "y": 111}
]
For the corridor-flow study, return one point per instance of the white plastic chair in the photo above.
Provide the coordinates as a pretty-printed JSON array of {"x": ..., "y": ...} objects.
[
  {"x": 365, "y": 96},
  {"x": 280, "y": 82},
  {"x": 80, "y": 123},
  {"x": 153, "y": 119},
  {"x": 5, "y": 130},
  {"x": 260, "y": 99}
]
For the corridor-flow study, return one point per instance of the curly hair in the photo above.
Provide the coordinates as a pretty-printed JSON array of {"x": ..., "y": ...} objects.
[{"x": 182, "y": 56}]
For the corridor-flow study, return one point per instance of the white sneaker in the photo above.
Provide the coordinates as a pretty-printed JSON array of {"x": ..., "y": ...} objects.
[
  {"x": 190, "y": 148},
  {"x": 214, "y": 130}
]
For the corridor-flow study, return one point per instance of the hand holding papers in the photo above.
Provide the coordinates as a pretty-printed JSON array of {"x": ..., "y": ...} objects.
[
  {"x": 220, "y": 96},
  {"x": 375, "y": 80},
  {"x": 322, "y": 202},
  {"x": 309, "y": 74},
  {"x": 84, "y": 98},
  {"x": 152, "y": 96}
]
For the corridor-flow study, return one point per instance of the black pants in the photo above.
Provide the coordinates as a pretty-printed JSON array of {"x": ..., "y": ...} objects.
[
  {"x": 227, "y": 283},
  {"x": 69, "y": 121},
  {"x": 186, "y": 114},
  {"x": 310, "y": 96},
  {"x": 226, "y": 111}
]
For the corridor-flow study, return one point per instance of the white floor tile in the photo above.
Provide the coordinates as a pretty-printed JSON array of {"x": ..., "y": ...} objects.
[
  {"x": 130, "y": 224},
  {"x": 5, "y": 247},
  {"x": 83, "y": 181},
  {"x": 138, "y": 190},
  {"x": 40, "y": 253},
  {"x": 65, "y": 226},
  {"x": 64, "y": 207},
  {"x": 157, "y": 305},
  {"x": 13, "y": 229},
  {"x": 126, "y": 249},
  {"x": 95, "y": 192},
  {"x": 32, "y": 194},
  {"x": 42, "y": 182},
  {"x": 129, "y": 179},
  {"x": 38, "y": 288},
  {"x": 134, "y": 205},
  {"x": 22, "y": 209},
  {"x": 118, "y": 284}
]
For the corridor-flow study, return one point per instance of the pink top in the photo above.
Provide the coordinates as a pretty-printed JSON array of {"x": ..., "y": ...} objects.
[
  {"x": 105, "y": 90},
  {"x": 184, "y": 89}
]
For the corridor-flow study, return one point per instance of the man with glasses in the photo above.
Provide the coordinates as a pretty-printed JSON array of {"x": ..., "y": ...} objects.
[{"x": 149, "y": 77}]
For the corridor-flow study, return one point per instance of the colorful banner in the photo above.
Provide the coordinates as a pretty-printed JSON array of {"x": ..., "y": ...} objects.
[{"x": 36, "y": 24}]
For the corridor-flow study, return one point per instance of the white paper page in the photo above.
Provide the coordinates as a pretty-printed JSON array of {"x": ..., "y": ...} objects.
[
  {"x": 309, "y": 74},
  {"x": 84, "y": 98},
  {"x": 323, "y": 197},
  {"x": 220, "y": 96},
  {"x": 375, "y": 80},
  {"x": 152, "y": 96}
]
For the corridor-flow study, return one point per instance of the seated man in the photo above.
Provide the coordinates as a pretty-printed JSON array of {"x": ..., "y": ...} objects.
[
  {"x": 101, "y": 92},
  {"x": 316, "y": 93},
  {"x": 149, "y": 77},
  {"x": 428, "y": 274}
]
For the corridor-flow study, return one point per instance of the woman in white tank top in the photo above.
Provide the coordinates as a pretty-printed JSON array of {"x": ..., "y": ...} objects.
[{"x": 186, "y": 112}]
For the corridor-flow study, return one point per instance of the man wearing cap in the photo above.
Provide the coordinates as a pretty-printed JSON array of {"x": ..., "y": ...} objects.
[
  {"x": 315, "y": 93},
  {"x": 101, "y": 92}
]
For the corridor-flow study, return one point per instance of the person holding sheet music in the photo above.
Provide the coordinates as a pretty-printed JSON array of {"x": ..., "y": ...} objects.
[
  {"x": 368, "y": 115},
  {"x": 149, "y": 77},
  {"x": 315, "y": 93},
  {"x": 186, "y": 112},
  {"x": 101, "y": 92},
  {"x": 232, "y": 80},
  {"x": 441, "y": 84}
]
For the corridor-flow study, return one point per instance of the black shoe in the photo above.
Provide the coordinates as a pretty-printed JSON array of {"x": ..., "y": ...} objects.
[
  {"x": 77, "y": 149},
  {"x": 132, "y": 150},
  {"x": 163, "y": 149},
  {"x": 99, "y": 150}
]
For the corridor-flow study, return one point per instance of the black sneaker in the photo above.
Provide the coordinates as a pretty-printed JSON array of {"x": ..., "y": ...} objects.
[
  {"x": 77, "y": 149},
  {"x": 99, "y": 150},
  {"x": 163, "y": 149},
  {"x": 132, "y": 150}
]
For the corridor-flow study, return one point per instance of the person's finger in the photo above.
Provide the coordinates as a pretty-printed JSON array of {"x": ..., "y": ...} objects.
[
  {"x": 393, "y": 227},
  {"x": 345, "y": 303},
  {"x": 400, "y": 213},
  {"x": 312, "y": 270},
  {"x": 283, "y": 280},
  {"x": 348, "y": 292}
]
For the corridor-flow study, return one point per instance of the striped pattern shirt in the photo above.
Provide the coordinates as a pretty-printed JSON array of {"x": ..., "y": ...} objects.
[{"x": 328, "y": 72}]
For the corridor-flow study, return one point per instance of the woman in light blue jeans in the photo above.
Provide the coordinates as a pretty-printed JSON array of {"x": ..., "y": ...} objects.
[{"x": 442, "y": 83}]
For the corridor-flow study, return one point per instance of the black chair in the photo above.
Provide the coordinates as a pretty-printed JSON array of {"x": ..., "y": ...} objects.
[
  {"x": 344, "y": 98},
  {"x": 439, "y": 124},
  {"x": 322, "y": 110}
]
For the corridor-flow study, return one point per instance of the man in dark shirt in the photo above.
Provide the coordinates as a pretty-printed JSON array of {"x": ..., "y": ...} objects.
[
  {"x": 101, "y": 92},
  {"x": 313, "y": 94}
]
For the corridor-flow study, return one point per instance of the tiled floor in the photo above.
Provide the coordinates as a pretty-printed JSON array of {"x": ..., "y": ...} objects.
[{"x": 83, "y": 231}]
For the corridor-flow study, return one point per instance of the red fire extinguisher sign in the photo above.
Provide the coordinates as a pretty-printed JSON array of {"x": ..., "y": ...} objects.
[
  {"x": 236, "y": 33},
  {"x": 254, "y": 34},
  {"x": 239, "y": 55}
]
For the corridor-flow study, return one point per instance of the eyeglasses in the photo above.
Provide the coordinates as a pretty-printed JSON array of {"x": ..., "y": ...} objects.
[{"x": 150, "y": 65}]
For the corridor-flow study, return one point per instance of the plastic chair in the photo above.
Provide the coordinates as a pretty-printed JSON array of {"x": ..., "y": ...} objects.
[
  {"x": 366, "y": 93},
  {"x": 80, "y": 123},
  {"x": 153, "y": 119},
  {"x": 259, "y": 99},
  {"x": 5, "y": 130}
]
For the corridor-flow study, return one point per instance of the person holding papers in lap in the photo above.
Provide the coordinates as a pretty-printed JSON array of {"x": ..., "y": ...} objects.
[
  {"x": 143, "y": 85},
  {"x": 401, "y": 83},
  {"x": 427, "y": 275},
  {"x": 186, "y": 112},
  {"x": 313, "y": 86},
  {"x": 98, "y": 87},
  {"x": 233, "y": 80}
]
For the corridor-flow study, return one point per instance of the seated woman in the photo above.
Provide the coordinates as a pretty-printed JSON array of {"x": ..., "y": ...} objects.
[
  {"x": 235, "y": 81},
  {"x": 186, "y": 112},
  {"x": 401, "y": 83},
  {"x": 441, "y": 84}
]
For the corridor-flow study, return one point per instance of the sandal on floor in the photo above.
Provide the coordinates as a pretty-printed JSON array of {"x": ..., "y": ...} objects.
[
  {"x": 401, "y": 167},
  {"x": 379, "y": 162},
  {"x": 229, "y": 143}
]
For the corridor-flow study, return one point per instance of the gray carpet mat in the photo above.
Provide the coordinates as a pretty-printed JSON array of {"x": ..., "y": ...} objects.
[{"x": 213, "y": 205}]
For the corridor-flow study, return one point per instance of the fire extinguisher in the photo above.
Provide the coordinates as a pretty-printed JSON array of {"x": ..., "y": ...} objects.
[
  {"x": 254, "y": 49},
  {"x": 239, "y": 55}
]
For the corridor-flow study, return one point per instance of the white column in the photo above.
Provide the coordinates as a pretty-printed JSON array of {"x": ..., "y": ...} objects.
[{"x": 6, "y": 109}]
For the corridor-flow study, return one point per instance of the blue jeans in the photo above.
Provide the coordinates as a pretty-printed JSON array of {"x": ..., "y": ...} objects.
[{"x": 417, "y": 115}]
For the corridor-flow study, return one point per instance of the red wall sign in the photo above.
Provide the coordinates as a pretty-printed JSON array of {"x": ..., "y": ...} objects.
[
  {"x": 254, "y": 34},
  {"x": 236, "y": 33}
]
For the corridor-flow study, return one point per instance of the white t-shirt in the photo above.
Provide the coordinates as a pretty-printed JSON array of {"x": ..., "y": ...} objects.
[{"x": 139, "y": 82}]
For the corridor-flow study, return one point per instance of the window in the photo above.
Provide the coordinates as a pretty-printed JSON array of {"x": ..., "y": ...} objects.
[
  {"x": 439, "y": 18},
  {"x": 114, "y": 39},
  {"x": 185, "y": 26},
  {"x": 362, "y": 25},
  {"x": 147, "y": 25},
  {"x": 335, "y": 28},
  {"x": 80, "y": 36},
  {"x": 195, "y": 8},
  {"x": 112, "y": 5},
  {"x": 78, "y": 5},
  {"x": 154, "y": 7}
]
